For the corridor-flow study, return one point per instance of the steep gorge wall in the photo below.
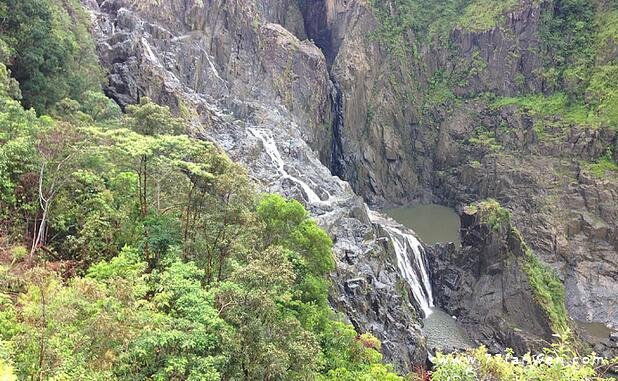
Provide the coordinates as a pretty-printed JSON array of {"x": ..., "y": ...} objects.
[
  {"x": 420, "y": 125},
  {"x": 484, "y": 284}
]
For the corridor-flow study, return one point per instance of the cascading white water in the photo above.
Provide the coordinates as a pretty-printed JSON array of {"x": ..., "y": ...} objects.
[
  {"x": 420, "y": 288},
  {"x": 413, "y": 271},
  {"x": 409, "y": 251},
  {"x": 273, "y": 152}
]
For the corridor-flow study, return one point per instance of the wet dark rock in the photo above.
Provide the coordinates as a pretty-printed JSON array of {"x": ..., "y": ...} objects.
[{"x": 484, "y": 285}]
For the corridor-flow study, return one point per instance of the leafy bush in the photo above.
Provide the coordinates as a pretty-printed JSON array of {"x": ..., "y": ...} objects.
[
  {"x": 51, "y": 52},
  {"x": 557, "y": 363},
  {"x": 604, "y": 166},
  {"x": 482, "y": 15},
  {"x": 492, "y": 214},
  {"x": 486, "y": 139}
]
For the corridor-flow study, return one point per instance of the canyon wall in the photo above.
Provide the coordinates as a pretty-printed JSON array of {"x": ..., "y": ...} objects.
[{"x": 303, "y": 90}]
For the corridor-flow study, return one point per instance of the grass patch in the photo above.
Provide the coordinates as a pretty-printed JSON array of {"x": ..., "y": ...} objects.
[
  {"x": 547, "y": 287},
  {"x": 557, "y": 104},
  {"x": 482, "y": 15},
  {"x": 602, "y": 94},
  {"x": 487, "y": 139},
  {"x": 548, "y": 290},
  {"x": 604, "y": 167}
]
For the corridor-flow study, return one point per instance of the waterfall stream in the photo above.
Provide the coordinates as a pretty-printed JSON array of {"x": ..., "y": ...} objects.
[
  {"x": 410, "y": 260},
  {"x": 410, "y": 254},
  {"x": 411, "y": 269},
  {"x": 270, "y": 146},
  {"x": 337, "y": 164}
]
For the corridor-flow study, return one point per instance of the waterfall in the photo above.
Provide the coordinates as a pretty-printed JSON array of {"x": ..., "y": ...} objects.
[
  {"x": 270, "y": 146},
  {"x": 409, "y": 251},
  {"x": 410, "y": 261},
  {"x": 410, "y": 270}
]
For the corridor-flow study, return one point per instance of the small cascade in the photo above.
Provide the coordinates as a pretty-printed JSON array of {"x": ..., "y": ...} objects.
[
  {"x": 270, "y": 146},
  {"x": 412, "y": 270},
  {"x": 410, "y": 260},
  {"x": 150, "y": 54}
]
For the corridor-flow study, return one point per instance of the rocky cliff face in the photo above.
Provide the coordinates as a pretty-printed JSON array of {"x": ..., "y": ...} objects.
[
  {"x": 484, "y": 284},
  {"x": 292, "y": 87},
  {"x": 402, "y": 139}
]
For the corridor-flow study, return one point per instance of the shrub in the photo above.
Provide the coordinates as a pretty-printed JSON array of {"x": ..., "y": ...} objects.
[{"x": 556, "y": 363}]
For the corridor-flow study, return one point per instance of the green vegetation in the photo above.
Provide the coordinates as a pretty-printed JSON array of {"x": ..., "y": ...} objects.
[
  {"x": 49, "y": 50},
  {"x": 580, "y": 71},
  {"x": 487, "y": 139},
  {"x": 556, "y": 104},
  {"x": 604, "y": 167},
  {"x": 6, "y": 372},
  {"x": 548, "y": 290},
  {"x": 490, "y": 213},
  {"x": 427, "y": 19},
  {"x": 607, "y": 21},
  {"x": 130, "y": 251},
  {"x": 186, "y": 273},
  {"x": 568, "y": 35},
  {"x": 481, "y": 15},
  {"x": 439, "y": 92},
  {"x": 558, "y": 363}
]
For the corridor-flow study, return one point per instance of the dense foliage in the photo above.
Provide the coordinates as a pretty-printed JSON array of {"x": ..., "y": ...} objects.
[
  {"x": 134, "y": 253},
  {"x": 131, "y": 251},
  {"x": 47, "y": 47}
]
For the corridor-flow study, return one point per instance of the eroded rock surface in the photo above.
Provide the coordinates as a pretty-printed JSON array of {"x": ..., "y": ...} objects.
[{"x": 484, "y": 285}]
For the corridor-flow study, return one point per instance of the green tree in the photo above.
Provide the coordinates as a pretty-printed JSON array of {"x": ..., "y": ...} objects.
[
  {"x": 268, "y": 342},
  {"x": 53, "y": 55},
  {"x": 182, "y": 333},
  {"x": 148, "y": 118}
]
